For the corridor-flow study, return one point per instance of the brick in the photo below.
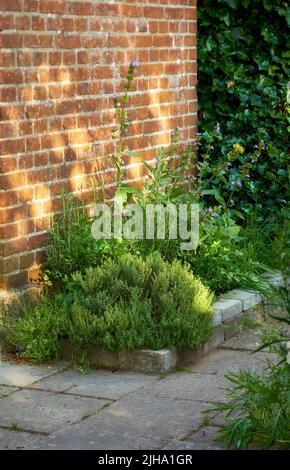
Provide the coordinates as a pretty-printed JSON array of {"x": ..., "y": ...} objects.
[
  {"x": 15, "y": 246},
  {"x": 53, "y": 6},
  {"x": 10, "y": 146},
  {"x": 9, "y": 231},
  {"x": 8, "y": 94},
  {"x": 68, "y": 42},
  {"x": 10, "y": 76},
  {"x": 25, "y": 161},
  {"x": 6, "y": 22},
  {"x": 54, "y": 58},
  {"x": 15, "y": 280},
  {"x": 81, "y": 8},
  {"x": 10, "y": 5},
  {"x": 8, "y": 164},
  {"x": 7, "y": 59},
  {"x": 61, "y": 62},
  {"x": 153, "y": 12},
  {"x": 7, "y": 129}
]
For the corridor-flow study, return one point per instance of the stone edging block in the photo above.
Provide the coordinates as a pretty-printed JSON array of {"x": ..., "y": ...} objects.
[
  {"x": 249, "y": 299},
  {"x": 229, "y": 308}
]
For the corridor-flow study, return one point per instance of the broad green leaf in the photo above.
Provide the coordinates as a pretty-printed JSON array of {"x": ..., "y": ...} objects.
[{"x": 231, "y": 3}]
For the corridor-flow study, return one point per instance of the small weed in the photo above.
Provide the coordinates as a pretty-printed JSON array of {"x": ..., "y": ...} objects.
[
  {"x": 206, "y": 419},
  {"x": 250, "y": 323},
  {"x": 88, "y": 415},
  {"x": 271, "y": 334},
  {"x": 180, "y": 368},
  {"x": 15, "y": 428},
  {"x": 106, "y": 405}
]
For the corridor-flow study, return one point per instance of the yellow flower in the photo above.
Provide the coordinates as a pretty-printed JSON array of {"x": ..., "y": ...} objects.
[
  {"x": 46, "y": 280},
  {"x": 237, "y": 148}
]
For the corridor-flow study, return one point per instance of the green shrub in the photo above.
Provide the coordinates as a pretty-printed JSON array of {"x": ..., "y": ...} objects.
[
  {"x": 136, "y": 303},
  {"x": 121, "y": 305},
  {"x": 223, "y": 259},
  {"x": 243, "y": 58},
  {"x": 35, "y": 328},
  {"x": 229, "y": 255}
]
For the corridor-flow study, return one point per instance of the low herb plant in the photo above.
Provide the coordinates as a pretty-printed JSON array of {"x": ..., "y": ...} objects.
[
  {"x": 34, "y": 328},
  {"x": 121, "y": 305}
]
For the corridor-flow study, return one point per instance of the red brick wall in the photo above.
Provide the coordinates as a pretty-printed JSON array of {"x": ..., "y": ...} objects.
[{"x": 60, "y": 63}]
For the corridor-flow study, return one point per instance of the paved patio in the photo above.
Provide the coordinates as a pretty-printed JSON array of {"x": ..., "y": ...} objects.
[{"x": 55, "y": 407}]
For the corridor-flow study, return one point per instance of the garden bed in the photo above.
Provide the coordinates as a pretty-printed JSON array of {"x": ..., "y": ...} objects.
[
  {"x": 234, "y": 310},
  {"x": 230, "y": 310}
]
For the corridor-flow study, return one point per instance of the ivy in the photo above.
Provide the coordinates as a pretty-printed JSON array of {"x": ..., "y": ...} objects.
[{"x": 244, "y": 65}]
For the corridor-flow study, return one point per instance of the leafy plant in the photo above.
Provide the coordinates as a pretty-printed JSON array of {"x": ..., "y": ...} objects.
[
  {"x": 242, "y": 86},
  {"x": 71, "y": 246},
  {"x": 278, "y": 299},
  {"x": 259, "y": 407},
  {"x": 35, "y": 329},
  {"x": 259, "y": 410},
  {"x": 229, "y": 254},
  {"x": 223, "y": 259},
  {"x": 120, "y": 131}
]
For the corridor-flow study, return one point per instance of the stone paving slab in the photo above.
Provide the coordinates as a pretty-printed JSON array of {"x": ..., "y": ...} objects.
[
  {"x": 5, "y": 390},
  {"x": 14, "y": 439},
  {"x": 120, "y": 410},
  {"x": 204, "y": 439},
  {"x": 98, "y": 384},
  {"x": 91, "y": 439},
  {"x": 221, "y": 361},
  {"x": 245, "y": 341},
  {"x": 190, "y": 386},
  {"x": 45, "y": 412},
  {"x": 22, "y": 375},
  {"x": 134, "y": 418}
]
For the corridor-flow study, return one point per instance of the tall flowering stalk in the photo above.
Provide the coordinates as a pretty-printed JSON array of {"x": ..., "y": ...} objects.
[{"x": 120, "y": 131}]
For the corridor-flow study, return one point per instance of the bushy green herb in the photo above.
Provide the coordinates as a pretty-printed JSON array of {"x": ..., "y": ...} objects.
[
  {"x": 136, "y": 303},
  {"x": 35, "y": 330},
  {"x": 121, "y": 305}
]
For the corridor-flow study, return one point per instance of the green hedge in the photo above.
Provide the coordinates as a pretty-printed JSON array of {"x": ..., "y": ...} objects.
[{"x": 243, "y": 59}]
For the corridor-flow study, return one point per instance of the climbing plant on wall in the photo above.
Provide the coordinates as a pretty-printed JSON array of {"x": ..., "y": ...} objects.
[{"x": 244, "y": 59}]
